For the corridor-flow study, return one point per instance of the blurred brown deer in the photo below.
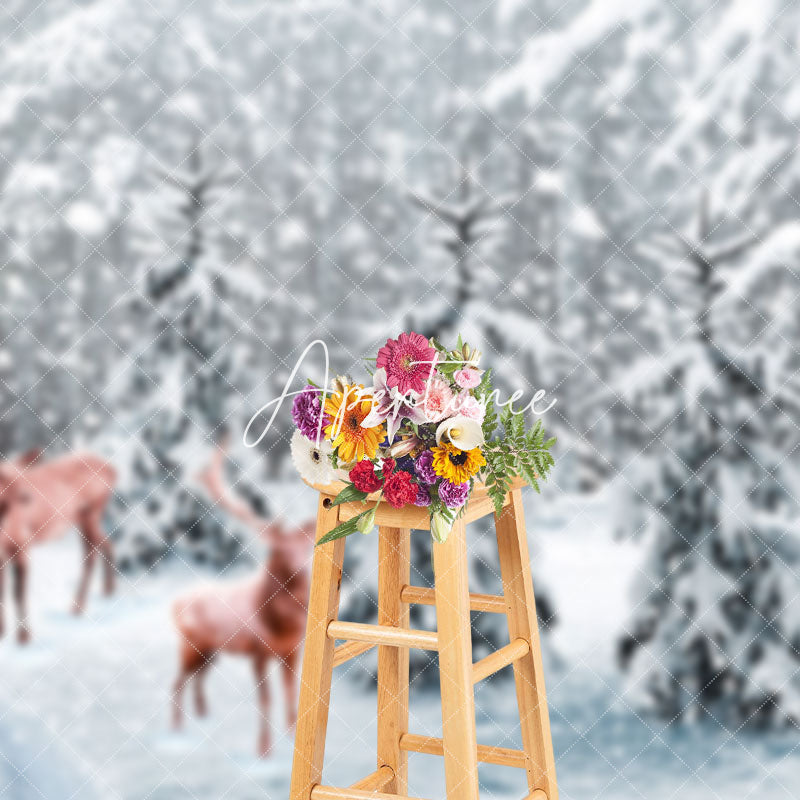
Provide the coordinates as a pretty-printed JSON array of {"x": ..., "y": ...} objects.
[
  {"x": 262, "y": 617},
  {"x": 39, "y": 502}
]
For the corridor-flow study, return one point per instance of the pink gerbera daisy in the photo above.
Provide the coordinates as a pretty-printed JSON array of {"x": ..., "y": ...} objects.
[{"x": 408, "y": 361}]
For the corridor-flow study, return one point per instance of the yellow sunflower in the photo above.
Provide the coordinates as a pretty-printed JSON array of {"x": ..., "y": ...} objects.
[
  {"x": 457, "y": 466},
  {"x": 347, "y": 409}
]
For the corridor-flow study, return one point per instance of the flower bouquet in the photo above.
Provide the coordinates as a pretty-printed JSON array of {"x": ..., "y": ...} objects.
[{"x": 425, "y": 431}]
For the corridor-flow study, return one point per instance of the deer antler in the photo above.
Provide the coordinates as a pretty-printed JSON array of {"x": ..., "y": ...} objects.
[{"x": 213, "y": 479}]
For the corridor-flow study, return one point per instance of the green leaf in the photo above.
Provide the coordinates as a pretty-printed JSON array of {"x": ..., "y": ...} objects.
[
  {"x": 448, "y": 369},
  {"x": 489, "y": 421},
  {"x": 517, "y": 427},
  {"x": 343, "y": 529},
  {"x": 348, "y": 495},
  {"x": 528, "y": 473},
  {"x": 498, "y": 495}
]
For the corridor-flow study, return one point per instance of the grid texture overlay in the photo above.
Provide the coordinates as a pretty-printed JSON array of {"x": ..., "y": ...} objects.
[{"x": 501, "y": 106}]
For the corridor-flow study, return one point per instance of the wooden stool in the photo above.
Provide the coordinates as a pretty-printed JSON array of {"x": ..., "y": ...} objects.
[{"x": 453, "y": 641}]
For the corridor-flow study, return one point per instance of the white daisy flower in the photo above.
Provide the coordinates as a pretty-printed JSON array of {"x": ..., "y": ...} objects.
[{"x": 312, "y": 462}]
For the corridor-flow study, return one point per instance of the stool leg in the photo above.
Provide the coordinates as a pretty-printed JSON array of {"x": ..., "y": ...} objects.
[
  {"x": 315, "y": 681},
  {"x": 512, "y": 543},
  {"x": 394, "y": 572},
  {"x": 455, "y": 665}
]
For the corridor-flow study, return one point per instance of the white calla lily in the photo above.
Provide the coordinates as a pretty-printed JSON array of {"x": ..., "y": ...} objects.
[{"x": 463, "y": 432}]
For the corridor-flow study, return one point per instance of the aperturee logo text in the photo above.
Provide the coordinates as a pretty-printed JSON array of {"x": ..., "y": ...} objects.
[{"x": 423, "y": 433}]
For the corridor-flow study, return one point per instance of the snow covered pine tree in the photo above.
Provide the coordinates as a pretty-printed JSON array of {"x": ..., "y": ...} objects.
[
  {"x": 467, "y": 216},
  {"x": 715, "y": 629},
  {"x": 182, "y": 386}
]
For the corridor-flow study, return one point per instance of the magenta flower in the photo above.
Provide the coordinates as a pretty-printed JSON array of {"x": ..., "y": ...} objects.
[
  {"x": 307, "y": 410},
  {"x": 423, "y": 497},
  {"x": 468, "y": 378},
  {"x": 408, "y": 361},
  {"x": 454, "y": 495},
  {"x": 423, "y": 466}
]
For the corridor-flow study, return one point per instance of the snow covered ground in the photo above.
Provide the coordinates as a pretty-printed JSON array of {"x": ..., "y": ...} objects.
[{"x": 84, "y": 708}]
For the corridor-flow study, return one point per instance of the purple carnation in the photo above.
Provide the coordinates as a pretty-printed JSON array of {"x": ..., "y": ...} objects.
[
  {"x": 423, "y": 497},
  {"x": 306, "y": 411},
  {"x": 423, "y": 466},
  {"x": 454, "y": 495}
]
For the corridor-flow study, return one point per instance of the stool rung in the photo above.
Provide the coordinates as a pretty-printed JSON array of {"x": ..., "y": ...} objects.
[
  {"x": 419, "y": 595},
  {"x": 332, "y": 793},
  {"x": 376, "y": 781},
  {"x": 537, "y": 794},
  {"x": 494, "y": 662},
  {"x": 383, "y": 634},
  {"x": 432, "y": 746},
  {"x": 344, "y": 652}
]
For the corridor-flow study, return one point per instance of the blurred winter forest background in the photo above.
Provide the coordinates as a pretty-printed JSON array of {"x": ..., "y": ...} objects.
[{"x": 601, "y": 195}]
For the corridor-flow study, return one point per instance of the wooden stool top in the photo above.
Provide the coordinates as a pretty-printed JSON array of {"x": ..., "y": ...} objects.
[{"x": 416, "y": 517}]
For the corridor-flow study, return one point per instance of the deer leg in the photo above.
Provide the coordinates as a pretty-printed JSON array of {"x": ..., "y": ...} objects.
[
  {"x": 92, "y": 525},
  {"x": 109, "y": 567},
  {"x": 106, "y": 551},
  {"x": 200, "y": 703},
  {"x": 289, "y": 674},
  {"x": 262, "y": 687},
  {"x": 89, "y": 557},
  {"x": 191, "y": 661},
  {"x": 3, "y": 561},
  {"x": 19, "y": 563}
]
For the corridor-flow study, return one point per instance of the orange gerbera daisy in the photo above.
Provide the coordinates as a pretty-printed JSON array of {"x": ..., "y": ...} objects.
[{"x": 347, "y": 410}]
